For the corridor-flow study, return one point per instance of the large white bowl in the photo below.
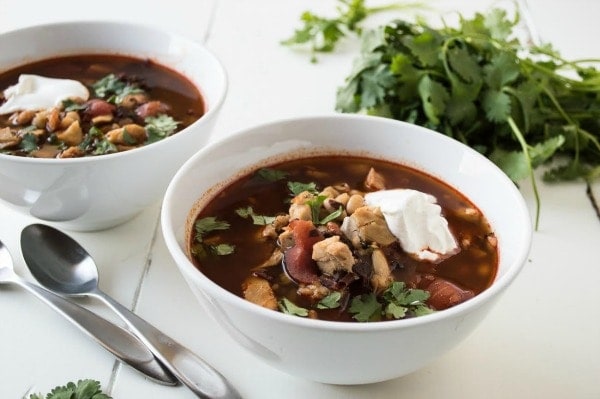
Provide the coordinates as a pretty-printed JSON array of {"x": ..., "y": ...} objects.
[
  {"x": 98, "y": 192},
  {"x": 338, "y": 352}
]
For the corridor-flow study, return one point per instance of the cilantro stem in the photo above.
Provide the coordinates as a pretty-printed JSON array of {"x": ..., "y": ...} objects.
[{"x": 525, "y": 148}]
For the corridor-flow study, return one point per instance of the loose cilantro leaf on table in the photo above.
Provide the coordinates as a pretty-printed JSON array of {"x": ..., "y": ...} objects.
[
  {"x": 322, "y": 34},
  {"x": 84, "y": 389},
  {"x": 521, "y": 106}
]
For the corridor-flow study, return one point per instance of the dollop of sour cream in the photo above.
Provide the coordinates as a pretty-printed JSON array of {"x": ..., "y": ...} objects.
[
  {"x": 33, "y": 92},
  {"x": 416, "y": 220}
]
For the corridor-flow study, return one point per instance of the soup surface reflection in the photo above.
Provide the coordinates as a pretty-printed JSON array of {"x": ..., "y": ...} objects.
[{"x": 304, "y": 237}]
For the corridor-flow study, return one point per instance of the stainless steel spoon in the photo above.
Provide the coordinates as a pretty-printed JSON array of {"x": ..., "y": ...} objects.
[
  {"x": 113, "y": 338},
  {"x": 60, "y": 264}
]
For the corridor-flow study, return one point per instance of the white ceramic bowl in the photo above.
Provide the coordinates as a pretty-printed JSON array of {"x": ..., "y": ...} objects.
[
  {"x": 338, "y": 352},
  {"x": 98, "y": 192}
]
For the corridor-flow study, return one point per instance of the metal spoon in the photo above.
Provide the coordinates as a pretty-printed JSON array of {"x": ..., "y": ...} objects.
[
  {"x": 113, "y": 338},
  {"x": 60, "y": 264}
]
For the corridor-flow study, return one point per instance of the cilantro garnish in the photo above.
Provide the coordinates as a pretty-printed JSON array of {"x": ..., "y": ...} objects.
[
  {"x": 206, "y": 225},
  {"x": 396, "y": 302},
  {"x": 70, "y": 105},
  {"x": 160, "y": 126},
  {"x": 365, "y": 308},
  {"x": 260, "y": 220},
  {"x": 331, "y": 301},
  {"x": 298, "y": 188},
  {"x": 83, "y": 389},
  {"x": 114, "y": 89},
  {"x": 28, "y": 142},
  {"x": 288, "y": 307},
  {"x": 271, "y": 175},
  {"x": 315, "y": 204},
  {"x": 322, "y": 34}
]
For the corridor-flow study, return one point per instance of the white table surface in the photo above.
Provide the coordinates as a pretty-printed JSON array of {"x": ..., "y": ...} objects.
[{"x": 542, "y": 340}]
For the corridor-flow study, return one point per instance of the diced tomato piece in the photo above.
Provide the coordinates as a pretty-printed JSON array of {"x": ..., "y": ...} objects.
[{"x": 298, "y": 259}]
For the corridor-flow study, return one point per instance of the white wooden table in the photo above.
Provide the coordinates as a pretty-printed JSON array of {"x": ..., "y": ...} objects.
[{"x": 541, "y": 341}]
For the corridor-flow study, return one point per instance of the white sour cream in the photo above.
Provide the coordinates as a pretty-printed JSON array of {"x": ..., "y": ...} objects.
[
  {"x": 34, "y": 92},
  {"x": 415, "y": 219}
]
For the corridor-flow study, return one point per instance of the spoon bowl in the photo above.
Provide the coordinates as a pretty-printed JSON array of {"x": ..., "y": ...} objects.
[
  {"x": 60, "y": 264},
  {"x": 113, "y": 338}
]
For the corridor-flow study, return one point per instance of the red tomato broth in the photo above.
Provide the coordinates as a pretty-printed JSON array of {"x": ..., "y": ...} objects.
[
  {"x": 472, "y": 269},
  {"x": 186, "y": 103}
]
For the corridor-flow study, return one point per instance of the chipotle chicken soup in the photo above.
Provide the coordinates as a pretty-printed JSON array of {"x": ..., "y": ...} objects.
[
  {"x": 84, "y": 105},
  {"x": 345, "y": 238}
]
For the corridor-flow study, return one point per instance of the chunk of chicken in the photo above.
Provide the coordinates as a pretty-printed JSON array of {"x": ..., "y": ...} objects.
[
  {"x": 72, "y": 135},
  {"x": 333, "y": 255},
  {"x": 374, "y": 181},
  {"x": 129, "y": 134},
  {"x": 8, "y": 138},
  {"x": 258, "y": 290},
  {"x": 382, "y": 275},
  {"x": 367, "y": 224},
  {"x": 299, "y": 209}
]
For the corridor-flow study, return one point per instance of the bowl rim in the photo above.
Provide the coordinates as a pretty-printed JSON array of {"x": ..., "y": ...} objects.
[
  {"x": 210, "y": 113},
  {"x": 489, "y": 294}
]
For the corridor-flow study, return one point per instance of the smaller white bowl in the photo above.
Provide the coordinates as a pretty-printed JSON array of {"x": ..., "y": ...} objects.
[
  {"x": 98, "y": 192},
  {"x": 340, "y": 352}
]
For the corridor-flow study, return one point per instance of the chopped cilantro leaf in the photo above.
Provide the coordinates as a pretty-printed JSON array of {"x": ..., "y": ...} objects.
[
  {"x": 29, "y": 142},
  {"x": 271, "y": 175},
  {"x": 365, "y": 308},
  {"x": 288, "y": 307},
  {"x": 208, "y": 224},
  {"x": 297, "y": 187},
  {"x": 331, "y": 301},
  {"x": 260, "y": 220},
  {"x": 160, "y": 126},
  {"x": 84, "y": 389},
  {"x": 114, "y": 89}
]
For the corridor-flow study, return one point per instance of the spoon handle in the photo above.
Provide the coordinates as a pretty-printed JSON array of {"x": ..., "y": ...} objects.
[
  {"x": 113, "y": 338},
  {"x": 195, "y": 373}
]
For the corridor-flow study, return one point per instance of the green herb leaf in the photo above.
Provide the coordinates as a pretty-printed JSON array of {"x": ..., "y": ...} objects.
[
  {"x": 29, "y": 142},
  {"x": 365, "y": 308},
  {"x": 260, "y": 220},
  {"x": 297, "y": 188},
  {"x": 208, "y": 224},
  {"x": 222, "y": 249},
  {"x": 322, "y": 34},
  {"x": 84, "y": 389},
  {"x": 271, "y": 175},
  {"x": 331, "y": 301},
  {"x": 70, "y": 105},
  {"x": 114, "y": 89},
  {"x": 288, "y": 307},
  {"x": 159, "y": 127}
]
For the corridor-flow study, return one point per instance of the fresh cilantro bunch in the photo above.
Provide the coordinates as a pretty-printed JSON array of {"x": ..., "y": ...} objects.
[
  {"x": 84, "y": 389},
  {"x": 520, "y": 106},
  {"x": 322, "y": 34}
]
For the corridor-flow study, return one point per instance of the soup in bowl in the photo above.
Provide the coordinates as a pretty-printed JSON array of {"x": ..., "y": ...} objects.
[
  {"x": 345, "y": 249},
  {"x": 96, "y": 117}
]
